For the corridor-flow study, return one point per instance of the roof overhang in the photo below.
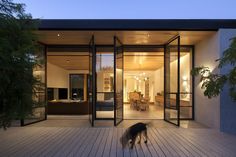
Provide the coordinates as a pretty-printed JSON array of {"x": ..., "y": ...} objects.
[{"x": 139, "y": 24}]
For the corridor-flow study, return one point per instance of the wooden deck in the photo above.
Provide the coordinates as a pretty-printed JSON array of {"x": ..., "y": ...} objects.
[{"x": 103, "y": 141}]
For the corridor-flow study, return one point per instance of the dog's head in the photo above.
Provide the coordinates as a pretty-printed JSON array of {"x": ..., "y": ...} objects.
[{"x": 125, "y": 139}]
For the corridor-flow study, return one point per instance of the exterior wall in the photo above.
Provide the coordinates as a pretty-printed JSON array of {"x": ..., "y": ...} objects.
[
  {"x": 227, "y": 106},
  {"x": 207, "y": 111}
]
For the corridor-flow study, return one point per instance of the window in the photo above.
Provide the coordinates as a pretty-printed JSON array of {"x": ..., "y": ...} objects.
[{"x": 77, "y": 86}]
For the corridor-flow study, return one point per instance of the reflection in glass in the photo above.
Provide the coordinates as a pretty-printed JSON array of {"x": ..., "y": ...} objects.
[{"x": 38, "y": 110}]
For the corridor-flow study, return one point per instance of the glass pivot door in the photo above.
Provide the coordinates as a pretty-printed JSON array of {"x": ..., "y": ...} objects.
[
  {"x": 172, "y": 81},
  {"x": 91, "y": 81},
  {"x": 118, "y": 81},
  {"x": 39, "y": 96}
]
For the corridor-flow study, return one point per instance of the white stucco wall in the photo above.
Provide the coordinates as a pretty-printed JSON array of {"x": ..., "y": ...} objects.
[{"x": 207, "y": 111}]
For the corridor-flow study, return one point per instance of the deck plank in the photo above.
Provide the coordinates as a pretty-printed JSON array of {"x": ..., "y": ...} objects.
[
  {"x": 175, "y": 143},
  {"x": 90, "y": 143},
  {"x": 214, "y": 144},
  {"x": 119, "y": 152},
  {"x": 113, "y": 144},
  {"x": 107, "y": 147},
  {"x": 76, "y": 142},
  {"x": 104, "y": 141},
  {"x": 125, "y": 149},
  {"x": 187, "y": 145},
  {"x": 153, "y": 145},
  {"x": 162, "y": 143},
  {"x": 80, "y": 143},
  {"x": 13, "y": 141},
  {"x": 50, "y": 143},
  {"x": 97, "y": 143}
]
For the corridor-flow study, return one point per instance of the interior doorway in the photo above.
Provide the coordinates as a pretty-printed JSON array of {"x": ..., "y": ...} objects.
[
  {"x": 153, "y": 90},
  {"x": 144, "y": 83}
]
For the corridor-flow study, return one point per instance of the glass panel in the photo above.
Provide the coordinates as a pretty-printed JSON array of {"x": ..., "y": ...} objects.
[
  {"x": 185, "y": 83},
  {"x": 119, "y": 85},
  {"x": 38, "y": 110},
  {"x": 171, "y": 82},
  {"x": 105, "y": 85}
]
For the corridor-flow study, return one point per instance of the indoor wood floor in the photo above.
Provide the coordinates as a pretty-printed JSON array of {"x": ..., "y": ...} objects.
[
  {"x": 154, "y": 112},
  {"x": 98, "y": 142}
]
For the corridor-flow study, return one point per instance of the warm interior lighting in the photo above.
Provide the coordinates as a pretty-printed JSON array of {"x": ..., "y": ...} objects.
[
  {"x": 185, "y": 78},
  {"x": 58, "y": 34}
]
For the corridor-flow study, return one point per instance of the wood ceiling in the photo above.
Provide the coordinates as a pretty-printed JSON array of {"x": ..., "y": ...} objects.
[
  {"x": 132, "y": 61},
  {"x": 70, "y": 61},
  {"x": 126, "y": 37},
  {"x": 143, "y": 61}
]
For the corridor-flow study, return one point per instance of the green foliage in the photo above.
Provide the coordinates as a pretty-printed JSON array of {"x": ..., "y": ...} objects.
[
  {"x": 18, "y": 45},
  {"x": 212, "y": 83}
]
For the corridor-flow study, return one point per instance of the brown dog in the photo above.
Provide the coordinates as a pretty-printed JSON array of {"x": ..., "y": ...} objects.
[{"x": 131, "y": 134}]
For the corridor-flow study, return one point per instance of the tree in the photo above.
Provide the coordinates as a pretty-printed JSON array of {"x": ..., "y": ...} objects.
[
  {"x": 213, "y": 84},
  {"x": 18, "y": 58}
]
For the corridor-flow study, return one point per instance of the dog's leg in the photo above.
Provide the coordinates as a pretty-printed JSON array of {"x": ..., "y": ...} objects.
[
  {"x": 146, "y": 137},
  {"x": 133, "y": 142},
  {"x": 130, "y": 143},
  {"x": 140, "y": 137}
]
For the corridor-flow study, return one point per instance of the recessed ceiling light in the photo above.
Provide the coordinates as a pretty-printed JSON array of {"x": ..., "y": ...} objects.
[{"x": 58, "y": 34}]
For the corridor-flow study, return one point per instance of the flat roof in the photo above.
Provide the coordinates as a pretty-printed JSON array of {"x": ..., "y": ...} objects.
[{"x": 137, "y": 24}]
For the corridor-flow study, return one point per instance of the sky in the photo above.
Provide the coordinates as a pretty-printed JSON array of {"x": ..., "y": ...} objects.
[{"x": 131, "y": 9}]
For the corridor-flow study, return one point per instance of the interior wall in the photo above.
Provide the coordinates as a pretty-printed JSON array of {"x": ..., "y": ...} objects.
[
  {"x": 58, "y": 77},
  {"x": 207, "y": 111},
  {"x": 158, "y": 86},
  {"x": 227, "y": 106},
  {"x": 185, "y": 67}
]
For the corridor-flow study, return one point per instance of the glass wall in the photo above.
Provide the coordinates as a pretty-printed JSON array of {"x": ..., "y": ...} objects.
[{"x": 105, "y": 84}]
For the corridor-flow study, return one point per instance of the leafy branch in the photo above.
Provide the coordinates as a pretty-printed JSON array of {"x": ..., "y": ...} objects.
[{"x": 212, "y": 83}]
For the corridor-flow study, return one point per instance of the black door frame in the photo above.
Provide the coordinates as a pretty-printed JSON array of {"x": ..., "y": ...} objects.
[
  {"x": 177, "y": 37},
  {"x": 22, "y": 121},
  {"x": 92, "y": 81},
  {"x": 116, "y": 49}
]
